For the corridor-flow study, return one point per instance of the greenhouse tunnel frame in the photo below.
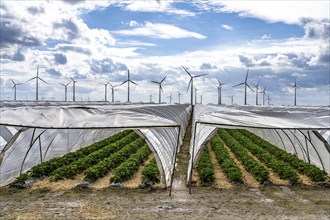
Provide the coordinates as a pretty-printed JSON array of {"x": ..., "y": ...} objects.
[
  {"x": 136, "y": 129},
  {"x": 194, "y": 158}
]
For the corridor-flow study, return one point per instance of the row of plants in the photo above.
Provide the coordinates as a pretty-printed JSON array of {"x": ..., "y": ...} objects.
[
  {"x": 313, "y": 172},
  {"x": 127, "y": 169},
  {"x": 46, "y": 168},
  {"x": 251, "y": 165},
  {"x": 78, "y": 166},
  {"x": 284, "y": 170},
  {"x": 205, "y": 168},
  {"x": 228, "y": 165},
  {"x": 150, "y": 172},
  {"x": 103, "y": 167}
]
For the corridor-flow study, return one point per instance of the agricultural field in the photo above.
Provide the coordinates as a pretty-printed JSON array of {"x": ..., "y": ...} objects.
[
  {"x": 123, "y": 159},
  {"x": 236, "y": 157}
]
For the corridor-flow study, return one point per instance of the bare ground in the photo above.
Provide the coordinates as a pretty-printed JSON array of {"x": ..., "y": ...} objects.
[{"x": 270, "y": 202}]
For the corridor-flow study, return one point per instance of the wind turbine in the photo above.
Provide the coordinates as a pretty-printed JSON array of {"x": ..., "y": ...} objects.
[
  {"x": 179, "y": 94},
  {"x": 65, "y": 90},
  {"x": 191, "y": 83},
  {"x": 113, "y": 91},
  {"x": 14, "y": 87},
  {"x": 196, "y": 95},
  {"x": 128, "y": 81},
  {"x": 232, "y": 99},
  {"x": 150, "y": 98},
  {"x": 201, "y": 99},
  {"x": 219, "y": 91},
  {"x": 74, "y": 89},
  {"x": 246, "y": 85},
  {"x": 160, "y": 88},
  {"x": 268, "y": 98},
  {"x": 37, "y": 82},
  {"x": 263, "y": 95},
  {"x": 170, "y": 96},
  {"x": 295, "y": 91},
  {"x": 257, "y": 95}
]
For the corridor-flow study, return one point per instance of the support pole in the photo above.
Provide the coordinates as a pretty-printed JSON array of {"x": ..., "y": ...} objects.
[
  {"x": 175, "y": 155},
  {"x": 192, "y": 160}
]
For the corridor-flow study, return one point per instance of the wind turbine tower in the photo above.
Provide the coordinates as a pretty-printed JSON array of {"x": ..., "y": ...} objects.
[
  {"x": 74, "y": 89},
  {"x": 257, "y": 95},
  {"x": 128, "y": 81},
  {"x": 191, "y": 84},
  {"x": 105, "y": 91},
  {"x": 219, "y": 91},
  {"x": 295, "y": 91},
  {"x": 170, "y": 96},
  {"x": 246, "y": 85},
  {"x": 65, "y": 90},
  {"x": 268, "y": 98},
  {"x": 232, "y": 99},
  {"x": 14, "y": 87},
  {"x": 37, "y": 82},
  {"x": 179, "y": 94},
  {"x": 263, "y": 95},
  {"x": 160, "y": 88},
  {"x": 113, "y": 91}
]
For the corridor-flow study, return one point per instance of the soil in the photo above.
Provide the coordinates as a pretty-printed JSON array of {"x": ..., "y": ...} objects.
[{"x": 269, "y": 202}]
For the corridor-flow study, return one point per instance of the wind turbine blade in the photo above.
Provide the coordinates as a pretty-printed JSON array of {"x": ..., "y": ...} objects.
[
  {"x": 133, "y": 82},
  {"x": 163, "y": 80},
  {"x": 32, "y": 79},
  {"x": 186, "y": 70},
  {"x": 239, "y": 84},
  {"x": 258, "y": 84},
  {"x": 61, "y": 84},
  {"x": 160, "y": 86},
  {"x": 17, "y": 84},
  {"x": 189, "y": 84},
  {"x": 43, "y": 80},
  {"x": 247, "y": 74},
  {"x": 124, "y": 82},
  {"x": 249, "y": 87},
  {"x": 199, "y": 75},
  {"x": 13, "y": 81},
  {"x": 154, "y": 82},
  {"x": 67, "y": 84}
]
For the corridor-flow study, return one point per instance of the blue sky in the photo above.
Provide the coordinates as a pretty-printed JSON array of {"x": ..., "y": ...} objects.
[{"x": 97, "y": 41}]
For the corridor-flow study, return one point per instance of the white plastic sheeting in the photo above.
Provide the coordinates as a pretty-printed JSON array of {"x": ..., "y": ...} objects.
[
  {"x": 33, "y": 132},
  {"x": 293, "y": 129}
]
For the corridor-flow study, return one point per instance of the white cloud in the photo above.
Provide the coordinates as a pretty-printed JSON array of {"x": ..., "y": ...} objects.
[
  {"x": 227, "y": 27},
  {"x": 266, "y": 37},
  {"x": 160, "y": 30},
  {"x": 290, "y": 12},
  {"x": 155, "y": 6}
]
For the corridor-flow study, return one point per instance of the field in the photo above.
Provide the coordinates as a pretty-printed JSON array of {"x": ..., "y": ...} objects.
[{"x": 230, "y": 182}]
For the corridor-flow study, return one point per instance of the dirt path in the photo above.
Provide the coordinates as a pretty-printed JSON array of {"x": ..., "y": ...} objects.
[
  {"x": 221, "y": 181},
  {"x": 65, "y": 184},
  {"x": 180, "y": 173},
  {"x": 135, "y": 181},
  {"x": 270, "y": 202}
]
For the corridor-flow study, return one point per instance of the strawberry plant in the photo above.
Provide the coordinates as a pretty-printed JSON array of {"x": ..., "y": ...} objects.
[
  {"x": 205, "y": 168},
  {"x": 127, "y": 169},
  {"x": 150, "y": 173},
  {"x": 228, "y": 165},
  {"x": 251, "y": 165},
  {"x": 313, "y": 172}
]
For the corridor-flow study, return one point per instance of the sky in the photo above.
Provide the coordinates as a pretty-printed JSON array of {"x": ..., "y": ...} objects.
[{"x": 96, "y": 42}]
